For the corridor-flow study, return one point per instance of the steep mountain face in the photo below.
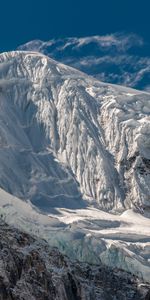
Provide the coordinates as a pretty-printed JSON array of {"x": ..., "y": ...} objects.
[
  {"x": 67, "y": 140},
  {"x": 30, "y": 269},
  {"x": 70, "y": 146},
  {"x": 117, "y": 58}
]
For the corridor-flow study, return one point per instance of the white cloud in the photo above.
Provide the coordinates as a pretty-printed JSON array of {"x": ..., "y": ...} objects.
[{"x": 121, "y": 41}]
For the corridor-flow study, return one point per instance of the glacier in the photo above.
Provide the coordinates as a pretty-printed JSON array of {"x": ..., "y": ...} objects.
[
  {"x": 75, "y": 153},
  {"x": 87, "y": 235}
]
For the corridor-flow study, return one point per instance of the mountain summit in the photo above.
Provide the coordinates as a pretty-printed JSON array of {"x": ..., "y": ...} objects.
[{"x": 114, "y": 58}]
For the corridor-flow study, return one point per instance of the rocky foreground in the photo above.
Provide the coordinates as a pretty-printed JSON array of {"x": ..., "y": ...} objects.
[{"x": 30, "y": 269}]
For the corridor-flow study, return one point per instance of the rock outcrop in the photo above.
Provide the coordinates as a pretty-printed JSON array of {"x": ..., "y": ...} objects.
[{"x": 30, "y": 269}]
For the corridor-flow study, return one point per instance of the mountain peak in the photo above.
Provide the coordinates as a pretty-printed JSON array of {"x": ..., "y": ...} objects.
[{"x": 91, "y": 132}]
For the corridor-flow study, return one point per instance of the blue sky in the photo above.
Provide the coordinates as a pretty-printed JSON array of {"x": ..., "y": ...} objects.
[{"x": 22, "y": 21}]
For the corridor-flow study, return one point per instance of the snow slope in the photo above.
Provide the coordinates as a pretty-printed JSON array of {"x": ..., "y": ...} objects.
[{"x": 67, "y": 140}]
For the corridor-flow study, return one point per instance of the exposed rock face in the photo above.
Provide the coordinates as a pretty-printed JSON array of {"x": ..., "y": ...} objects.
[{"x": 29, "y": 269}]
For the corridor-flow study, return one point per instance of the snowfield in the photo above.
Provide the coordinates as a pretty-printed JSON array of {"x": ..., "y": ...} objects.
[{"x": 75, "y": 160}]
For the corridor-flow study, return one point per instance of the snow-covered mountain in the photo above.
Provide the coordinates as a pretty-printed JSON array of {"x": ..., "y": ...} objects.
[
  {"x": 68, "y": 140},
  {"x": 117, "y": 58},
  {"x": 71, "y": 145}
]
